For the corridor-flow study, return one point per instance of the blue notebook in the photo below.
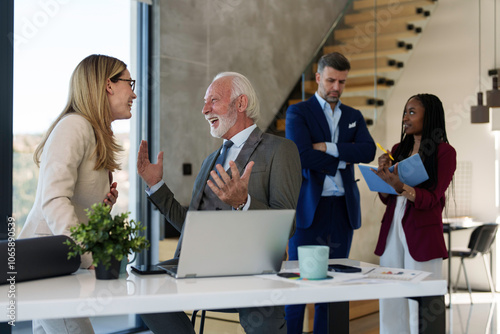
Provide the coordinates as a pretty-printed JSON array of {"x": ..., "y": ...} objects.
[{"x": 411, "y": 172}]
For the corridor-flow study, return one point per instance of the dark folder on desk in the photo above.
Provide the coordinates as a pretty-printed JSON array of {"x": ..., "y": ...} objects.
[
  {"x": 229, "y": 243},
  {"x": 411, "y": 172}
]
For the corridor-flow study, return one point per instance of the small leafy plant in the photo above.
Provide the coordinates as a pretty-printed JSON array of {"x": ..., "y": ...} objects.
[{"x": 106, "y": 237}]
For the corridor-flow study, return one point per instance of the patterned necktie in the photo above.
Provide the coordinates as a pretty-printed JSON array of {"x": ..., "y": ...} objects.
[{"x": 222, "y": 156}]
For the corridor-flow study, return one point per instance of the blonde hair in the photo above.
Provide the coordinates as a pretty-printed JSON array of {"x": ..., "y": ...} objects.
[{"x": 88, "y": 98}]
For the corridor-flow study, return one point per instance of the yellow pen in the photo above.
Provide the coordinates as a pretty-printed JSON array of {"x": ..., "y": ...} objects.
[{"x": 385, "y": 151}]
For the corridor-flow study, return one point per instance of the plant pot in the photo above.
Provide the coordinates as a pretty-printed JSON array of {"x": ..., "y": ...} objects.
[{"x": 113, "y": 271}]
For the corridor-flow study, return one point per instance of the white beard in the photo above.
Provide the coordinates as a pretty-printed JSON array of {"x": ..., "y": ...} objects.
[{"x": 226, "y": 122}]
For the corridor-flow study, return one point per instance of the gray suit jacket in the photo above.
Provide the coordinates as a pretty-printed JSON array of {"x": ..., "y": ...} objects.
[{"x": 274, "y": 183}]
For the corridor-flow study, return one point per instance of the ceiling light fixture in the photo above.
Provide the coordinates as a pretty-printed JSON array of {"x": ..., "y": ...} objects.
[
  {"x": 493, "y": 96},
  {"x": 479, "y": 113}
]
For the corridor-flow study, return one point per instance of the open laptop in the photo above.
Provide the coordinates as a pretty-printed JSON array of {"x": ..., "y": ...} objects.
[{"x": 229, "y": 243}]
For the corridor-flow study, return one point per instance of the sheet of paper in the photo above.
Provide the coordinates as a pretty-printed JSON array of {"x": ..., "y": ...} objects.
[
  {"x": 397, "y": 274},
  {"x": 369, "y": 275},
  {"x": 374, "y": 182},
  {"x": 411, "y": 171}
]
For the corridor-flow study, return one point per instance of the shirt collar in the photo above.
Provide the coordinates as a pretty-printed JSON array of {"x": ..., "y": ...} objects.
[
  {"x": 241, "y": 137},
  {"x": 323, "y": 103}
]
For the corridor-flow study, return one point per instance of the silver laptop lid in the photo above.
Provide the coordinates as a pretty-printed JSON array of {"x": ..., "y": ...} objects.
[{"x": 226, "y": 243}]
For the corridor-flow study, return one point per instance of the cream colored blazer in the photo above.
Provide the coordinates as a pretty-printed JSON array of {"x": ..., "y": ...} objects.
[{"x": 68, "y": 183}]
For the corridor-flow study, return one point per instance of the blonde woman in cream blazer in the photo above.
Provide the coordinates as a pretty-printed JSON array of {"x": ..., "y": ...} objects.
[
  {"x": 76, "y": 158},
  {"x": 67, "y": 182}
]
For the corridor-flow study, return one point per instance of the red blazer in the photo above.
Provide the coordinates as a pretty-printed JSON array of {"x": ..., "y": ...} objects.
[{"x": 422, "y": 221}]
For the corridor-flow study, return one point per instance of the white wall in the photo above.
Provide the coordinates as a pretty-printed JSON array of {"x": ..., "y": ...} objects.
[{"x": 445, "y": 63}]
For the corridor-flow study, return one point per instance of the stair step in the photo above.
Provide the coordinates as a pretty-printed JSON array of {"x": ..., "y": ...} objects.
[
  {"x": 395, "y": 26},
  {"x": 369, "y": 44},
  {"x": 366, "y": 66},
  {"x": 355, "y": 52},
  {"x": 294, "y": 101},
  {"x": 281, "y": 123},
  {"x": 362, "y": 37},
  {"x": 362, "y": 101},
  {"x": 356, "y": 81},
  {"x": 370, "y": 63},
  {"x": 357, "y": 102},
  {"x": 361, "y": 308},
  {"x": 365, "y": 89},
  {"x": 356, "y": 84},
  {"x": 383, "y": 14},
  {"x": 367, "y": 4},
  {"x": 367, "y": 80},
  {"x": 383, "y": 24},
  {"x": 380, "y": 53},
  {"x": 373, "y": 71}
]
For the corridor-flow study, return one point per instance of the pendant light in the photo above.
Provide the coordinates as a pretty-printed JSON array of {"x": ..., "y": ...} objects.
[
  {"x": 479, "y": 113},
  {"x": 493, "y": 96}
]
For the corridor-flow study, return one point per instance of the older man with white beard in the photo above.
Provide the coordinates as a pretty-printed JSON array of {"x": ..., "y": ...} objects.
[{"x": 260, "y": 171}]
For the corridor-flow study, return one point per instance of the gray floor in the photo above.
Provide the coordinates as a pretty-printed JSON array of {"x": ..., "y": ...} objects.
[
  {"x": 480, "y": 317},
  {"x": 462, "y": 318}
]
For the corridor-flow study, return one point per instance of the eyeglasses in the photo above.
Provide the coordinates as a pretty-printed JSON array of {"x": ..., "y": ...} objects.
[{"x": 132, "y": 83}]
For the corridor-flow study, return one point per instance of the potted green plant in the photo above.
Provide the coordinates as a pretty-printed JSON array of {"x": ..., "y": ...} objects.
[{"x": 108, "y": 238}]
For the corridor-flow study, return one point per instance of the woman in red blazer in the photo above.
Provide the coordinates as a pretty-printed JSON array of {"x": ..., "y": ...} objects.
[{"x": 411, "y": 234}]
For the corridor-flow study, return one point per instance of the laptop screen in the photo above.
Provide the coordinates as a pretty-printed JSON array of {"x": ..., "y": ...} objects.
[{"x": 226, "y": 243}]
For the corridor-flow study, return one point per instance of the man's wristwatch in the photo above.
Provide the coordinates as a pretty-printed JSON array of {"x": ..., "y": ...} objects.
[{"x": 241, "y": 206}]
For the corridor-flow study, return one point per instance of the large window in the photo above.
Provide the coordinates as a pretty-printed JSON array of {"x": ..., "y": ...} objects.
[{"x": 50, "y": 38}]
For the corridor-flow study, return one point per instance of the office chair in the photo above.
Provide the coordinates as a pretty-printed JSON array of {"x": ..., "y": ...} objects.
[
  {"x": 203, "y": 314},
  {"x": 480, "y": 242},
  {"x": 202, "y": 320}
]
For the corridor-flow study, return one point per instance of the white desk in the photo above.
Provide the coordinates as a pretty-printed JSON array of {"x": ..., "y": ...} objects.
[{"x": 81, "y": 295}]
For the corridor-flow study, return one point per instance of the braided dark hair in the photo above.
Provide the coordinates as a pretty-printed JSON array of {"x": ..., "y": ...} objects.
[{"x": 433, "y": 133}]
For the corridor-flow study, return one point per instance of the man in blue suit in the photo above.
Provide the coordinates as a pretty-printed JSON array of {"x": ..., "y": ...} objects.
[{"x": 331, "y": 138}]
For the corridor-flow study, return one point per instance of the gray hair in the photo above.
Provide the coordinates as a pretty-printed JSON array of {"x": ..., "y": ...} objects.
[
  {"x": 335, "y": 60},
  {"x": 241, "y": 85}
]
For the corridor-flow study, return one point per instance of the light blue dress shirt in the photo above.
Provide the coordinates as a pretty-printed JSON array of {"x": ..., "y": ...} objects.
[{"x": 333, "y": 185}]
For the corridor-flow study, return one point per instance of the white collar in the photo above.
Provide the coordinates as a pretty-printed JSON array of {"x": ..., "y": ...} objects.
[{"x": 241, "y": 137}]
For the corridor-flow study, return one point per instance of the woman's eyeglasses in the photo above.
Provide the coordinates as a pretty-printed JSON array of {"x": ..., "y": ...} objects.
[{"x": 132, "y": 83}]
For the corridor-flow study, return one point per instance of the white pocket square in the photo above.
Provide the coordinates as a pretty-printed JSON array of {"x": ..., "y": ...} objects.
[{"x": 352, "y": 125}]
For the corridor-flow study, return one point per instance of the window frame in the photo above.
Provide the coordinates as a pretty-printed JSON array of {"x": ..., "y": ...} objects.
[{"x": 143, "y": 127}]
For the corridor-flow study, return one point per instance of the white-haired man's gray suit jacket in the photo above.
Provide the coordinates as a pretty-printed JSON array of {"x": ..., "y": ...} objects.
[{"x": 274, "y": 183}]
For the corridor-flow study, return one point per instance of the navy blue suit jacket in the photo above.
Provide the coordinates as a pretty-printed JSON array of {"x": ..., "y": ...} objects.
[{"x": 306, "y": 124}]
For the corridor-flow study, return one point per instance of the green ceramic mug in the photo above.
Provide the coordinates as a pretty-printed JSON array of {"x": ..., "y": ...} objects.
[{"x": 313, "y": 261}]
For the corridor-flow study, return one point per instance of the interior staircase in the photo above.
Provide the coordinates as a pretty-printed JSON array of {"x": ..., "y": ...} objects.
[{"x": 377, "y": 36}]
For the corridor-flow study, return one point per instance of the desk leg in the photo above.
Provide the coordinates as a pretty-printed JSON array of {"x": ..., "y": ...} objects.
[
  {"x": 449, "y": 268},
  {"x": 338, "y": 318},
  {"x": 431, "y": 315}
]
